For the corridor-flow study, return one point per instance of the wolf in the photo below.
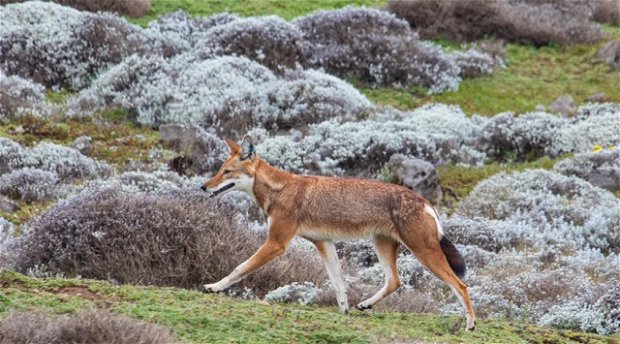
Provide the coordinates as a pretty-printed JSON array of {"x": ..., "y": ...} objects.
[{"x": 323, "y": 209}]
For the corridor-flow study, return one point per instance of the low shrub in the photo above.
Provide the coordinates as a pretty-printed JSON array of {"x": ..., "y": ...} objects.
[
  {"x": 67, "y": 163},
  {"x": 95, "y": 327},
  {"x": 436, "y": 133},
  {"x": 565, "y": 209},
  {"x": 6, "y": 231},
  {"x": 538, "y": 134},
  {"x": 229, "y": 95},
  {"x": 375, "y": 47},
  {"x": 20, "y": 97},
  {"x": 533, "y": 22},
  {"x": 174, "y": 33},
  {"x": 179, "y": 238},
  {"x": 270, "y": 41},
  {"x": 60, "y": 46},
  {"x": 29, "y": 184},
  {"x": 133, "y": 8}
]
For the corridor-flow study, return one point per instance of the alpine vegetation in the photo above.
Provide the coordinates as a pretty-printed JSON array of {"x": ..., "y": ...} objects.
[
  {"x": 21, "y": 97},
  {"x": 59, "y": 46},
  {"x": 94, "y": 327},
  {"x": 229, "y": 94},
  {"x": 375, "y": 47},
  {"x": 437, "y": 133},
  {"x": 53, "y": 163},
  {"x": 29, "y": 184},
  {"x": 523, "y": 21},
  {"x": 179, "y": 238},
  {"x": 541, "y": 133},
  {"x": 560, "y": 209},
  {"x": 270, "y": 41}
]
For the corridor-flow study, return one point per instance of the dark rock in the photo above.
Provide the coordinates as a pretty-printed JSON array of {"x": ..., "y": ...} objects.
[
  {"x": 416, "y": 174},
  {"x": 610, "y": 54},
  {"x": 564, "y": 105},
  {"x": 84, "y": 144}
]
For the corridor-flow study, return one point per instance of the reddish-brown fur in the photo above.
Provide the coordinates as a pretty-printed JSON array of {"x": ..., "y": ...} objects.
[{"x": 323, "y": 209}]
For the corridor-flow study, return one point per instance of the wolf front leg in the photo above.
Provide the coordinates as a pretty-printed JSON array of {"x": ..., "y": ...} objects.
[
  {"x": 328, "y": 253},
  {"x": 280, "y": 234}
]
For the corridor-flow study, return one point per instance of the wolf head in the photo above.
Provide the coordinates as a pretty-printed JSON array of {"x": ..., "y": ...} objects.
[{"x": 237, "y": 172}]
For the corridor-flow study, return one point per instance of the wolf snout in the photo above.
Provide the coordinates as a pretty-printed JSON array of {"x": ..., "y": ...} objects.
[{"x": 203, "y": 188}]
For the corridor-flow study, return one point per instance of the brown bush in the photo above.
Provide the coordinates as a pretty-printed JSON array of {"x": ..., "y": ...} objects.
[
  {"x": 523, "y": 21},
  {"x": 606, "y": 11},
  {"x": 92, "y": 327},
  {"x": 131, "y": 8},
  {"x": 181, "y": 239}
]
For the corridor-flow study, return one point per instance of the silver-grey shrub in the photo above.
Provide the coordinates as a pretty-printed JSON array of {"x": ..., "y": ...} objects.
[
  {"x": 11, "y": 155},
  {"x": 375, "y": 47},
  {"x": 594, "y": 124},
  {"x": 20, "y": 97},
  {"x": 229, "y": 94},
  {"x": 269, "y": 40},
  {"x": 565, "y": 209},
  {"x": 177, "y": 32},
  {"x": 68, "y": 163},
  {"x": 6, "y": 232},
  {"x": 60, "y": 46},
  {"x": 436, "y": 133},
  {"x": 600, "y": 169},
  {"x": 537, "y": 134},
  {"x": 29, "y": 184}
]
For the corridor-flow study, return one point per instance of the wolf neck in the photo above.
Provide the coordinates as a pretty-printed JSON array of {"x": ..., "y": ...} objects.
[{"x": 268, "y": 182}]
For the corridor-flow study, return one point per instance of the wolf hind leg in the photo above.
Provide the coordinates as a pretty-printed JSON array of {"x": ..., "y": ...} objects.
[
  {"x": 387, "y": 250},
  {"x": 422, "y": 239}
]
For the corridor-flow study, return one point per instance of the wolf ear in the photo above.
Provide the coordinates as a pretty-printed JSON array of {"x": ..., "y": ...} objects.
[
  {"x": 247, "y": 148},
  {"x": 234, "y": 147}
]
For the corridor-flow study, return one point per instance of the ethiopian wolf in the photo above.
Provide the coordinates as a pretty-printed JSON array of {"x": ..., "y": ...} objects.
[{"x": 324, "y": 209}]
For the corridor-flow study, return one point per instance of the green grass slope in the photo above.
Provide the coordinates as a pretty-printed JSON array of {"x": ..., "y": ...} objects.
[{"x": 200, "y": 318}]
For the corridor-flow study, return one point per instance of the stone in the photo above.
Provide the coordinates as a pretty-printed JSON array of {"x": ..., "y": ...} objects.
[
  {"x": 597, "y": 97},
  {"x": 416, "y": 174},
  {"x": 610, "y": 54},
  {"x": 84, "y": 144},
  {"x": 201, "y": 151},
  {"x": 600, "y": 169},
  {"x": 564, "y": 105}
]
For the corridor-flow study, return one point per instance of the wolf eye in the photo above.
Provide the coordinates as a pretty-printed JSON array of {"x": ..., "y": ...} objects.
[{"x": 227, "y": 171}]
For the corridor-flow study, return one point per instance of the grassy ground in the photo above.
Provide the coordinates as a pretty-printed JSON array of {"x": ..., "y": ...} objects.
[
  {"x": 283, "y": 8},
  {"x": 532, "y": 76},
  {"x": 199, "y": 318}
]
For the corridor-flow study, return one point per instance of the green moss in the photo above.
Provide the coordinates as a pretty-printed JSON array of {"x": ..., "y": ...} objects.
[
  {"x": 199, "y": 318},
  {"x": 246, "y": 8}
]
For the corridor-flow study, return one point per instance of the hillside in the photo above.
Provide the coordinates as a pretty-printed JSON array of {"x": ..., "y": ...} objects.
[
  {"x": 198, "y": 318},
  {"x": 109, "y": 124}
]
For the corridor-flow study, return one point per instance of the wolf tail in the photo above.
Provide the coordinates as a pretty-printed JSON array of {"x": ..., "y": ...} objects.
[{"x": 456, "y": 261}]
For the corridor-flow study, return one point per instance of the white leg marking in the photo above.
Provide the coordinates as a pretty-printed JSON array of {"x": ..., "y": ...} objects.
[
  {"x": 431, "y": 211},
  {"x": 235, "y": 276},
  {"x": 471, "y": 322},
  {"x": 330, "y": 259}
]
